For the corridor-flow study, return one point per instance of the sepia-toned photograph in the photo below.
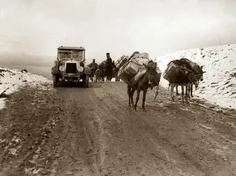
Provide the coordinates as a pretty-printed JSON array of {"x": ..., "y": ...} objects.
[{"x": 118, "y": 88}]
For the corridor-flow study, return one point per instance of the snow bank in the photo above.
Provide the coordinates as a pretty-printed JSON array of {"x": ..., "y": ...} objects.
[
  {"x": 219, "y": 84},
  {"x": 12, "y": 80}
]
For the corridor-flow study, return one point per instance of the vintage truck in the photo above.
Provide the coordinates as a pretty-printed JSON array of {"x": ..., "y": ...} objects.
[{"x": 69, "y": 67}]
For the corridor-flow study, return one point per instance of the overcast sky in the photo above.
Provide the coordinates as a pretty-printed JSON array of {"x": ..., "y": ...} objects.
[{"x": 115, "y": 26}]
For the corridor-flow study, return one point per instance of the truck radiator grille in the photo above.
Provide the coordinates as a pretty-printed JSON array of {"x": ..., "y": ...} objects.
[{"x": 71, "y": 68}]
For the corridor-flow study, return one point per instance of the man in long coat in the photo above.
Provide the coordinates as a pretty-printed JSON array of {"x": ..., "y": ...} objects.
[{"x": 109, "y": 67}]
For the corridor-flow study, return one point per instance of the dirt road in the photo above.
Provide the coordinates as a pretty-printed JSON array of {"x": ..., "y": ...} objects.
[{"x": 83, "y": 132}]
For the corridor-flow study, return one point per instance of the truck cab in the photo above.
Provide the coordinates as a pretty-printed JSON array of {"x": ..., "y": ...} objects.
[{"x": 70, "y": 66}]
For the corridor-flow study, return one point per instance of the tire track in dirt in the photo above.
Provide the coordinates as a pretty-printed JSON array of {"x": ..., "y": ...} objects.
[{"x": 80, "y": 135}]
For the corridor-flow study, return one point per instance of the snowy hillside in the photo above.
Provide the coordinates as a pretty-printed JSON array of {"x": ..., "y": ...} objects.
[
  {"x": 219, "y": 84},
  {"x": 11, "y": 80}
]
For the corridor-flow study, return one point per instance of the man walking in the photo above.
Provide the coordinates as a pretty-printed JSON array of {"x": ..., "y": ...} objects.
[
  {"x": 109, "y": 67},
  {"x": 93, "y": 66}
]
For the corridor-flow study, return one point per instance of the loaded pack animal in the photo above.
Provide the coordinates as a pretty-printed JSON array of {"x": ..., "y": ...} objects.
[
  {"x": 105, "y": 70},
  {"x": 198, "y": 74},
  {"x": 186, "y": 76},
  {"x": 100, "y": 72},
  {"x": 99, "y": 75},
  {"x": 149, "y": 80}
]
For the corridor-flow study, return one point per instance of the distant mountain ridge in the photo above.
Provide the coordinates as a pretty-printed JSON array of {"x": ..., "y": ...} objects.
[{"x": 24, "y": 59}]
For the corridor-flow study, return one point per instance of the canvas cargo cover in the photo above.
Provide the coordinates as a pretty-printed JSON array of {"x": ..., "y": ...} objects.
[
  {"x": 125, "y": 77},
  {"x": 133, "y": 70},
  {"x": 169, "y": 71},
  {"x": 143, "y": 55},
  {"x": 134, "y": 55},
  {"x": 128, "y": 71},
  {"x": 122, "y": 69},
  {"x": 186, "y": 64},
  {"x": 132, "y": 67},
  {"x": 136, "y": 78},
  {"x": 194, "y": 66},
  {"x": 141, "y": 61}
]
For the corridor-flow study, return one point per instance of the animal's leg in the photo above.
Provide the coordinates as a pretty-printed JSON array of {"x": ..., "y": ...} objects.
[
  {"x": 191, "y": 89},
  {"x": 144, "y": 99},
  {"x": 96, "y": 78},
  {"x": 176, "y": 87},
  {"x": 182, "y": 93},
  {"x": 93, "y": 77},
  {"x": 171, "y": 91},
  {"x": 137, "y": 99},
  {"x": 129, "y": 94},
  {"x": 188, "y": 91},
  {"x": 156, "y": 92},
  {"x": 132, "y": 97}
]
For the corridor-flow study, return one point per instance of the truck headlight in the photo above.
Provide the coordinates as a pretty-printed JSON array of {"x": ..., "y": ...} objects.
[
  {"x": 80, "y": 68},
  {"x": 62, "y": 68}
]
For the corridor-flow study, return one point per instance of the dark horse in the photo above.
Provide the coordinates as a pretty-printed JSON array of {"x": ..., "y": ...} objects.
[
  {"x": 149, "y": 80},
  {"x": 184, "y": 79},
  {"x": 196, "y": 72},
  {"x": 192, "y": 80}
]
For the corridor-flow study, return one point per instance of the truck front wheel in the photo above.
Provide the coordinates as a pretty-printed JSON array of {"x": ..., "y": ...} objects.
[
  {"x": 86, "y": 81},
  {"x": 55, "y": 80}
]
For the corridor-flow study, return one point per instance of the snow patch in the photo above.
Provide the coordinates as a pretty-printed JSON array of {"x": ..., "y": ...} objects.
[
  {"x": 219, "y": 84},
  {"x": 13, "y": 79}
]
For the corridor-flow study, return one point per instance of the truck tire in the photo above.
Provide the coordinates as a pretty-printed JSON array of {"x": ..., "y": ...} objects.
[
  {"x": 86, "y": 81},
  {"x": 117, "y": 79},
  {"x": 55, "y": 80}
]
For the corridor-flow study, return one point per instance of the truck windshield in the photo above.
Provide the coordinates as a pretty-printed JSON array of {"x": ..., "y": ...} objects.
[
  {"x": 64, "y": 54},
  {"x": 71, "y": 54}
]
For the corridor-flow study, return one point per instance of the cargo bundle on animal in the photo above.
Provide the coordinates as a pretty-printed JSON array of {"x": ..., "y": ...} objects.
[{"x": 139, "y": 72}]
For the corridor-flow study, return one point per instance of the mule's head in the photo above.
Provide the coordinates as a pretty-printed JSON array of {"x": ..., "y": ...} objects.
[
  {"x": 152, "y": 75},
  {"x": 199, "y": 72},
  {"x": 197, "y": 76},
  {"x": 196, "y": 83}
]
